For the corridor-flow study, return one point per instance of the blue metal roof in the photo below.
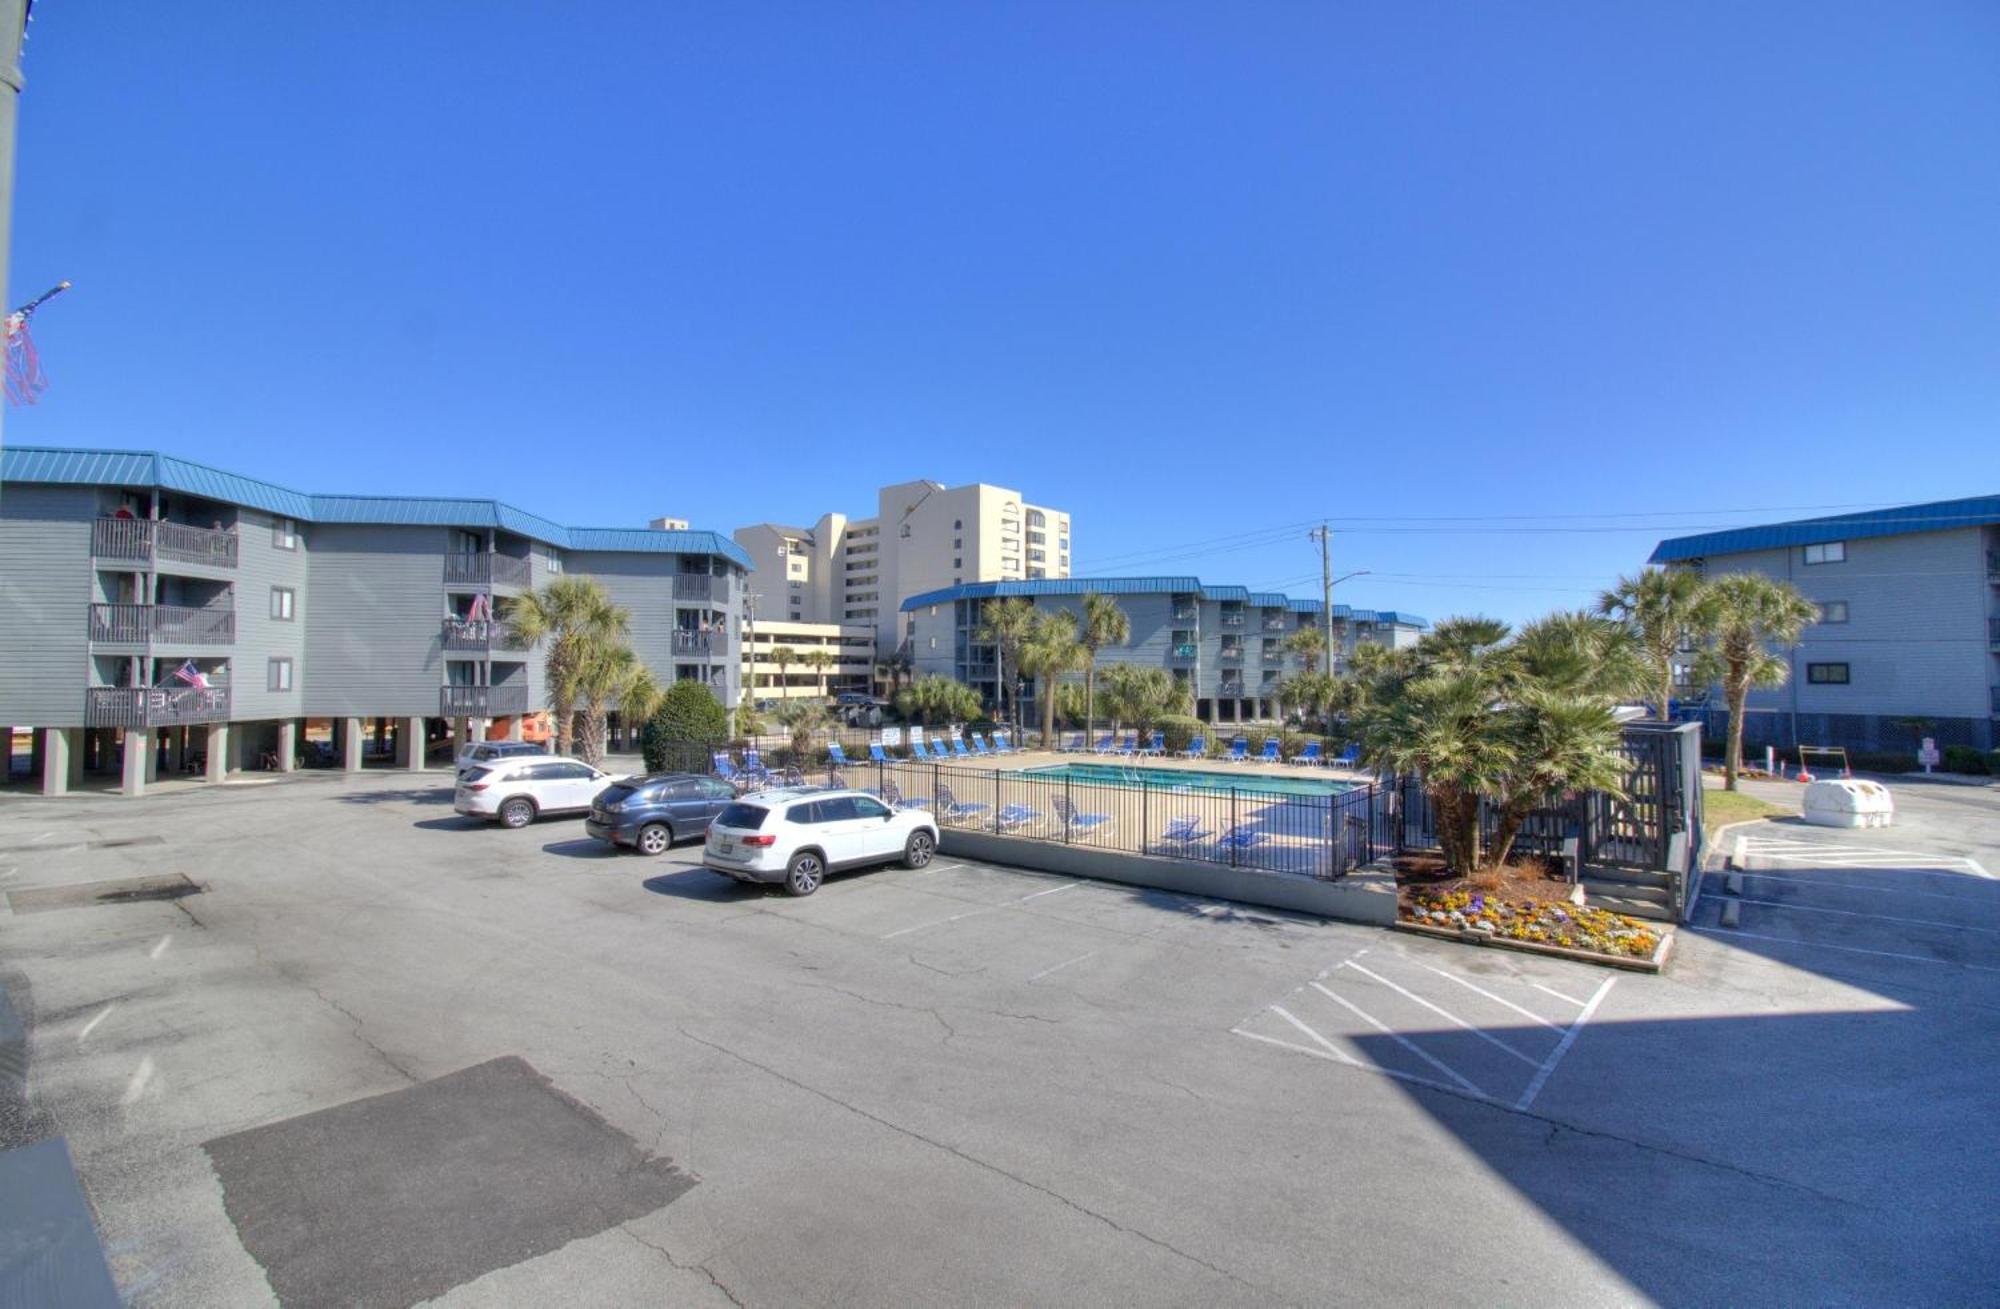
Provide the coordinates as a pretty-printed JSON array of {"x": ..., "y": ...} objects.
[
  {"x": 1147, "y": 586},
  {"x": 131, "y": 468},
  {"x": 1937, "y": 516}
]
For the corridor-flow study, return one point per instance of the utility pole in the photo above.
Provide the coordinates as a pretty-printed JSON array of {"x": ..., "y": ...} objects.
[
  {"x": 1324, "y": 536},
  {"x": 13, "y": 31}
]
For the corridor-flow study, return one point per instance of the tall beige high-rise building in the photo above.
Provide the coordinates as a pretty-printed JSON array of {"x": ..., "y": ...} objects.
[{"x": 924, "y": 536}]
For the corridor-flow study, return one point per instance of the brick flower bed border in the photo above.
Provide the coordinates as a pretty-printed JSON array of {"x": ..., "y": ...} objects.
[{"x": 1466, "y": 936}]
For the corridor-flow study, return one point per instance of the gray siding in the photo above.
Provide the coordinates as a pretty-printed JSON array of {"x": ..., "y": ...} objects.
[
  {"x": 372, "y": 627},
  {"x": 1916, "y": 638},
  {"x": 45, "y": 584},
  {"x": 644, "y": 585},
  {"x": 259, "y": 638}
]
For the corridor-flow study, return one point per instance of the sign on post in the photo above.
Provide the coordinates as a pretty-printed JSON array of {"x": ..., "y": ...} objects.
[{"x": 1928, "y": 754}]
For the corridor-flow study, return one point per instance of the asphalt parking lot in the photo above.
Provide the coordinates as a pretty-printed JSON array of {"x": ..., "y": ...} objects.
[{"x": 975, "y": 1085}]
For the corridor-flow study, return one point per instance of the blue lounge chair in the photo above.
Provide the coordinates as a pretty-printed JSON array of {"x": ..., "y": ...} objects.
[
  {"x": 951, "y": 810},
  {"x": 892, "y": 795},
  {"x": 753, "y": 762},
  {"x": 978, "y": 746},
  {"x": 1080, "y": 824},
  {"x": 837, "y": 756},
  {"x": 1130, "y": 745},
  {"x": 1197, "y": 749},
  {"x": 994, "y": 743},
  {"x": 729, "y": 772},
  {"x": 1239, "y": 751},
  {"x": 937, "y": 749},
  {"x": 1350, "y": 757},
  {"x": 958, "y": 750},
  {"x": 1156, "y": 745},
  {"x": 1311, "y": 755},
  {"x": 1106, "y": 743},
  {"x": 1184, "y": 831},
  {"x": 1014, "y": 817},
  {"x": 875, "y": 755},
  {"x": 1270, "y": 755},
  {"x": 1240, "y": 837}
]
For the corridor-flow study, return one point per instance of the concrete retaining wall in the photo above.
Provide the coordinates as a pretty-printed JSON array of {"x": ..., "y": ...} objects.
[{"x": 1363, "y": 896}]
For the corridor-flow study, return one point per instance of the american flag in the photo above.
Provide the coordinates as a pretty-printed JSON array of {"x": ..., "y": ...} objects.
[{"x": 193, "y": 676}]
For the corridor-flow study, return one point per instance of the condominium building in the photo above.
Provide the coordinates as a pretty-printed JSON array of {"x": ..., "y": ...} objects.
[
  {"x": 778, "y": 659},
  {"x": 1225, "y": 643},
  {"x": 155, "y": 610},
  {"x": 1908, "y": 639},
  {"x": 924, "y": 536}
]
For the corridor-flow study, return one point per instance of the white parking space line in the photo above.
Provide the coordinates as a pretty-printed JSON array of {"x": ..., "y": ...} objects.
[
  {"x": 1056, "y": 968},
  {"x": 1386, "y": 1030},
  {"x": 1845, "y": 949},
  {"x": 1880, "y": 918},
  {"x": 1529, "y": 1014},
  {"x": 940, "y": 922},
  {"x": 1442, "y": 1012},
  {"x": 928, "y": 869},
  {"x": 1562, "y": 1046},
  {"x": 91, "y": 1026},
  {"x": 1051, "y": 891},
  {"x": 1831, "y": 885},
  {"x": 1341, "y": 1057},
  {"x": 1557, "y": 994}
]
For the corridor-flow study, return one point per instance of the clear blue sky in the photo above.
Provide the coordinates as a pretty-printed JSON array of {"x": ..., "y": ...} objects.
[{"x": 1186, "y": 271}]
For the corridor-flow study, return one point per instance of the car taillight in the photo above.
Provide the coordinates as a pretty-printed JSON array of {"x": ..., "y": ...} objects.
[
  {"x": 477, "y": 786},
  {"x": 766, "y": 839}
]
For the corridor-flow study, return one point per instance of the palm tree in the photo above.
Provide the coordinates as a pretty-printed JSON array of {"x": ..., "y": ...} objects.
[
  {"x": 819, "y": 661},
  {"x": 1104, "y": 623},
  {"x": 611, "y": 674},
  {"x": 1309, "y": 644},
  {"x": 784, "y": 656},
  {"x": 1008, "y": 626},
  {"x": 1051, "y": 651},
  {"x": 576, "y": 618},
  {"x": 1665, "y": 608},
  {"x": 1752, "y": 613},
  {"x": 801, "y": 718}
]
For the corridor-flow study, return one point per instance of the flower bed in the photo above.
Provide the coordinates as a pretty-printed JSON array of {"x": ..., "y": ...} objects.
[{"x": 1556, "y": 924}]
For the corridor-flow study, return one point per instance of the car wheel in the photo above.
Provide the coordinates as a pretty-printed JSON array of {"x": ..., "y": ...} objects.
[
  {"x": 654, "y": 838},
  {"x": 517, "y": 813},
  {"x": 918, "y": 849},
  {"x": 804, "y": 874}
]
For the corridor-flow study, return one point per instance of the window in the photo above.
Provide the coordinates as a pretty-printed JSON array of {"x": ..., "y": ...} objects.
[
  {"x": 285, "y": 534},
  {"x": 278, "y": 675},
  {"x": 1833, "y": 611},
  {"x": 958, "y": 563},
  {"x": 1831, "y": 552},
  {"x": 958, "y": 543},
  {"x": 283, "y": 600},
  {"x": 958, "y": 524},
  {"x": 866, "y": 808},
  {"x": 1827, "y": 674}
]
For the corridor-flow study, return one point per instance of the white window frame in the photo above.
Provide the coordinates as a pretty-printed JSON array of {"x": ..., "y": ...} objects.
[
  {"x": 1826, "y": 611},
  {"x": 284, "y": 604},
  {"x": 1828, "y": 552},
  {"x": 284, "y": 534},
  {"x": 278, "y": 674}
]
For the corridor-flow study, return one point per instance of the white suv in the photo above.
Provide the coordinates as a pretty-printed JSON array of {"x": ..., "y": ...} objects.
[
  {"x": 796, "y": 835},
  {"x": 518, "y": 791}
]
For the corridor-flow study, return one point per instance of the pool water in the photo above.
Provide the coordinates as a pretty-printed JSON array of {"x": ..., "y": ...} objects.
[{"x": 1247, "y": 780}]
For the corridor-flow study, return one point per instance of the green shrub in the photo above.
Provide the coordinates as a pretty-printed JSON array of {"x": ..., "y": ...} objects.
[
  {"x": 1993, "y": 762},
  {"x": 1964, "y": 759},
  {"x": 1180, "y": 730},
  {"x": 689, "y": 715}
]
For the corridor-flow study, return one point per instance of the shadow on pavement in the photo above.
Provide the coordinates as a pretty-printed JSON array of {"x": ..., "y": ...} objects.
[{"x": 701, "y": 884}]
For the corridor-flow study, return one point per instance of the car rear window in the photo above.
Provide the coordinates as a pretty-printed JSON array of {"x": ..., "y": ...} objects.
[
  {"x": 616, "y": 792},
  {"x": 474, "y": 774},
  {"x": 750, "y": 817}
]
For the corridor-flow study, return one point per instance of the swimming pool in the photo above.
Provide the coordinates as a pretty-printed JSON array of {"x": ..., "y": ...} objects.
[{"x": 1247, "y": 780}]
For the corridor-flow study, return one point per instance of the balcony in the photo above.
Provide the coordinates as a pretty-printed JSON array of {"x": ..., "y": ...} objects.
[
  {"x": 144, "y": 541},
  {"x": 1993, "y": 631},
  {"x": 1230, "y": 688},
  {"x": 478, "y": 636},
  {"x": 1993, "y": 566},
  {"x": 127, "y": 624},
  {"x": 1184, "y": 651},
  {"x": 1273, "y": 653},
  {"x": 482, "y": 701},
  {"x": 1183, "y": 612},
  {"x": 1232, "y": 654},
  {"x": 1996, "y": 701},
  {"x": 1232, "y": 618},
  {"x": 1274, "y": 623},
  {"x": 700, "y": 586},
  {"x": 708, "y": 644},
  {"x": 466, "y": 569},
  {"x": 154, "y": 706}
]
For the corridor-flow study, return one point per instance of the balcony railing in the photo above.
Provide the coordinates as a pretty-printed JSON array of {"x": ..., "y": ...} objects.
[
  {"x": 1274, "y": 653},
  {"x": 464, "y": 568},
  {"x": 700, "y": 586},
  {"x": 1996, "y": 699},
  {"x": 1232, "y": 654},
  {"x": 1993, "y": 565},
  {"x": 1273, "y": 623},
  {"x": 478, "y": 636},
  {"x": 1232, "y": 618},
  {"x": 1183, "y": 651},
  {"x": 713, "y": 644},
  {"x": 1228, "y": 688},
  {"x": 126, "y": 624},
  {"x": 1993, "y": 631},
  {"x": 482, "y": 701},
  {"x": 154, "y": 706},
  {"x": 144, "y": 541},
  {"x": 1183, "y": 612}
]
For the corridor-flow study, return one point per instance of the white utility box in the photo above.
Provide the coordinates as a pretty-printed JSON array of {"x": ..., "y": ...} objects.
[{"x": 1846, "y": 802}]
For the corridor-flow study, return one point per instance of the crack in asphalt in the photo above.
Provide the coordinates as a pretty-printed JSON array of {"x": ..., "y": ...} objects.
[
  {"x": 360, "y": 1030},
  {"x": 975, "y": 1161},
  {"x": 701, "y": 1268}
]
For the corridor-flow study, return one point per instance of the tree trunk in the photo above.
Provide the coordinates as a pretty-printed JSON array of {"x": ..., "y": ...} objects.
[
  {"x": 1048, "y": 695},
  {"x": 560, "y": 712},
  {"x": 1089, "y": 699},
  {"x": 1732, "y": 762},
  {"x": 1666, "y": 693},
  {"x": 1512, "y": 816}
]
